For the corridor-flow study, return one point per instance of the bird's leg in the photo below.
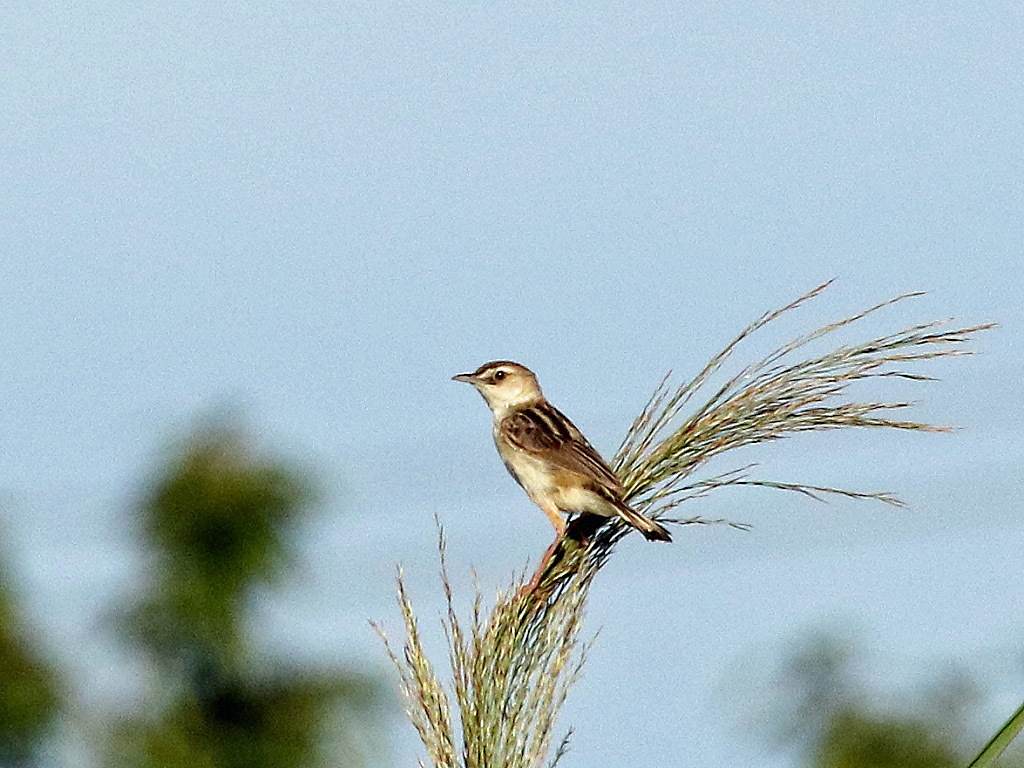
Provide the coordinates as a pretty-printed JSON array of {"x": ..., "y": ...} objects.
[
  {"x": 542, "y": 567},
  {"x": 578, "y": 530},
  {"x": 556, "y": 519},
  {"x": 560, "y": 527}
]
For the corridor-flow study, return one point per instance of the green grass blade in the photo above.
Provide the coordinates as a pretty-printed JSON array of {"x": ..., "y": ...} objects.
[{"x": 1000, "y": 741}]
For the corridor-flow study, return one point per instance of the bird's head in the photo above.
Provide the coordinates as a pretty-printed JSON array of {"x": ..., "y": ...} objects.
[{"x": 505, "y": 385}]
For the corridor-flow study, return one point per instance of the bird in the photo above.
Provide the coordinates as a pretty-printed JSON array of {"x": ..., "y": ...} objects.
[{"x": 547, "y": 455}]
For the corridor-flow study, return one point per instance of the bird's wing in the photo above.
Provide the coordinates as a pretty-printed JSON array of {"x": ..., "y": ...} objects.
[{"x": 542, "y": 430}]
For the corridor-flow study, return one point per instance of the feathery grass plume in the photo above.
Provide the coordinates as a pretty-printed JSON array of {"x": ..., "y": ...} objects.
[
  {"x": 511, "y": 674},
  {"x": 513, "y": 669}
]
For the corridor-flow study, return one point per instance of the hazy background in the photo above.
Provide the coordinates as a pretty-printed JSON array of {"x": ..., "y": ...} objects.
[{"x": 315, "y": 214}]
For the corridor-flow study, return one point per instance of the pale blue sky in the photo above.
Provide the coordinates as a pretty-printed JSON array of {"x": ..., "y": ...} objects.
[{"x": 320, "y": 212}]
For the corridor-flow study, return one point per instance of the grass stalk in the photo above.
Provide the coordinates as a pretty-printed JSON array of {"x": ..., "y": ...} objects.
[{"x": 991, "y": 751}]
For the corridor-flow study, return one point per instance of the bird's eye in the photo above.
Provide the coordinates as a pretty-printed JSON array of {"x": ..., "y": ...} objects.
[{"x": 499, "y": 375}]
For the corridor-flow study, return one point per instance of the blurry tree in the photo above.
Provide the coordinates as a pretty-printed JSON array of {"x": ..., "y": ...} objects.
[
  {"x": 217, "y": 521},
  {"x": 819, "y": 705},
  {"x": 29, "y": 690}
]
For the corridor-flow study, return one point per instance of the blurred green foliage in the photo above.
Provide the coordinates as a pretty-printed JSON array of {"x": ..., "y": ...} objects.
[
  {"x": 856, "y": 739},
  {"x": 30, "y": 695},
  {"x": 821, "y": 707},
  {"x": 217, "y": 523}
]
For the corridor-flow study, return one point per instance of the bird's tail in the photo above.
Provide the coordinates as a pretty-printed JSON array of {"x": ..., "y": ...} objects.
[{"x": 651, "y": 530}]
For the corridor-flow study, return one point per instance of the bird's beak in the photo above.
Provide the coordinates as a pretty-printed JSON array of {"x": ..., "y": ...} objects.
[{"x": 469, "y": 378}]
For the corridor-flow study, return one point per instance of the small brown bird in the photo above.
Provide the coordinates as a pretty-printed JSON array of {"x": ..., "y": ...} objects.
[{"x": 546, "y": 454}]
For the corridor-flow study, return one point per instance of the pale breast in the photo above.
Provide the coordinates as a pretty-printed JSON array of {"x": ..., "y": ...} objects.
[{"x": 532, "y": 474}]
